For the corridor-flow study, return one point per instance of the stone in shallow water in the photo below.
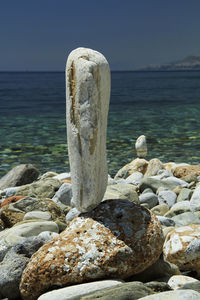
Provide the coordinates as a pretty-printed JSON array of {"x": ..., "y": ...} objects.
[
  {"x": 141, "y": 146},
  {"x": 115, "y": 240},
  {"x": 87, "y": 99}
]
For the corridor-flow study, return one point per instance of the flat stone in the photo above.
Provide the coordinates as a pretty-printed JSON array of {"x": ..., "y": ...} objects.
[
  {"x": 115, "y": 240},
  {"x": 19, "y": 175},
  {"x": 172, "y": 295},
  {"x": 186, "y": 218},
  {"x": 129, "y": 290},
  {"x": 44, "y": 215},
  {"x": 177, "y": 281},
  {"x": 63, "y": 176},
  {"x": 79, "y": 290},
  {"x": 16, "y": 234},
  {"x": 87, "y": 100},
  {"x": 182, "y": 247},
  {"x": 123, "y": 191}
]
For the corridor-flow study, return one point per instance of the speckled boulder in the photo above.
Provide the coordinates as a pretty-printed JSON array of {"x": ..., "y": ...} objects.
[
  {"x": 115, "y": 240},
  {"x": 14, "y": 212},
  {"x": 182, "y": 247}
]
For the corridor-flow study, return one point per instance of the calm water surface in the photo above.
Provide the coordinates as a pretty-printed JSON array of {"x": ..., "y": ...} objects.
[{"x": 164, "y": 106}]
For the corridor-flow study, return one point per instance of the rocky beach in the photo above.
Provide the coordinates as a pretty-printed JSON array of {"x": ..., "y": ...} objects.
[
  {"x": 106, "y": 252},
  {"x": 88, "y": 235}
]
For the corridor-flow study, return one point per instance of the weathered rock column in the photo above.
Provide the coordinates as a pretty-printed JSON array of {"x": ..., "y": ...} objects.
[{"x": 87, "y": 99}]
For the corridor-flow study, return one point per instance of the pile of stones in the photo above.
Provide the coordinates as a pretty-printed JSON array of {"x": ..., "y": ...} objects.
[{"x": 85, "y": 235}]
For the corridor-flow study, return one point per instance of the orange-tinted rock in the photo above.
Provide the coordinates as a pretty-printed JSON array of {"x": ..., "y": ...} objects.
[
  {"x": 137, "y": 165},
  {"x": 11, "y": 200},
  {"x": 115, "y": 240},
  {"x": 182, "y": 171},
  {"x": 66, "y": 180}
]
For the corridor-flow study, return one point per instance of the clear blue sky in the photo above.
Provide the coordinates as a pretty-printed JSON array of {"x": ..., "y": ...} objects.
[{"x": 39, "y": 34}]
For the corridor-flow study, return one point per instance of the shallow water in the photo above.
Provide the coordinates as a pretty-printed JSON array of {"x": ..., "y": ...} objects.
[{"x": 164, "y": 106}]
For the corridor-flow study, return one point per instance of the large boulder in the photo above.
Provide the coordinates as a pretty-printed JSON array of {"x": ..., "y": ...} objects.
[
  {"x": 115, "y": 240},
  {"x": 19, "y": 175}
]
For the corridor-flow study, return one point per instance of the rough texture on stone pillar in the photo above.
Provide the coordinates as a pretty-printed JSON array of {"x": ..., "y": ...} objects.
[{"x": 87, "y": 99}]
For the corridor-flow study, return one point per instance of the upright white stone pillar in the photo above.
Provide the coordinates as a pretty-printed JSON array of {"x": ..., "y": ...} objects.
[{"x": 87, "y": 99}]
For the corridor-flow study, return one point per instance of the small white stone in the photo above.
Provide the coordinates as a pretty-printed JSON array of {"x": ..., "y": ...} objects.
[
  {"x": 44, "y": 215},
  {"x": 177, "y": 281},
  {"x": 141, "y": 146}
]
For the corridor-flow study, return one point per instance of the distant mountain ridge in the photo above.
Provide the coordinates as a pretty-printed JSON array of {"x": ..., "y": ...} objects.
[{"x": 188, "y": 63}]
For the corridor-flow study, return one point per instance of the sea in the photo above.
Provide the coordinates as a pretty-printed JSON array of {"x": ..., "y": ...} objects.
[{"x": 163, "y": 106}]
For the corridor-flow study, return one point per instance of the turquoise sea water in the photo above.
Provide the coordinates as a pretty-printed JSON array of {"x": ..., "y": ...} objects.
[{"x": 164, "y": 106}]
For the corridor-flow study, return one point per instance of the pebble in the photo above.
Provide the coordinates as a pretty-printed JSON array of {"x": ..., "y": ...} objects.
[
  {"x": 167, "y": 197},
  {"x": 149, "y": 198}
]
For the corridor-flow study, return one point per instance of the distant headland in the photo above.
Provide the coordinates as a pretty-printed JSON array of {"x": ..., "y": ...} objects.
[{"x": 188, "y": 63}]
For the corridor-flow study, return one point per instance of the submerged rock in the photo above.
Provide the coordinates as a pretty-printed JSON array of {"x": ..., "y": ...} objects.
[{"x": 115, "y": 240}]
